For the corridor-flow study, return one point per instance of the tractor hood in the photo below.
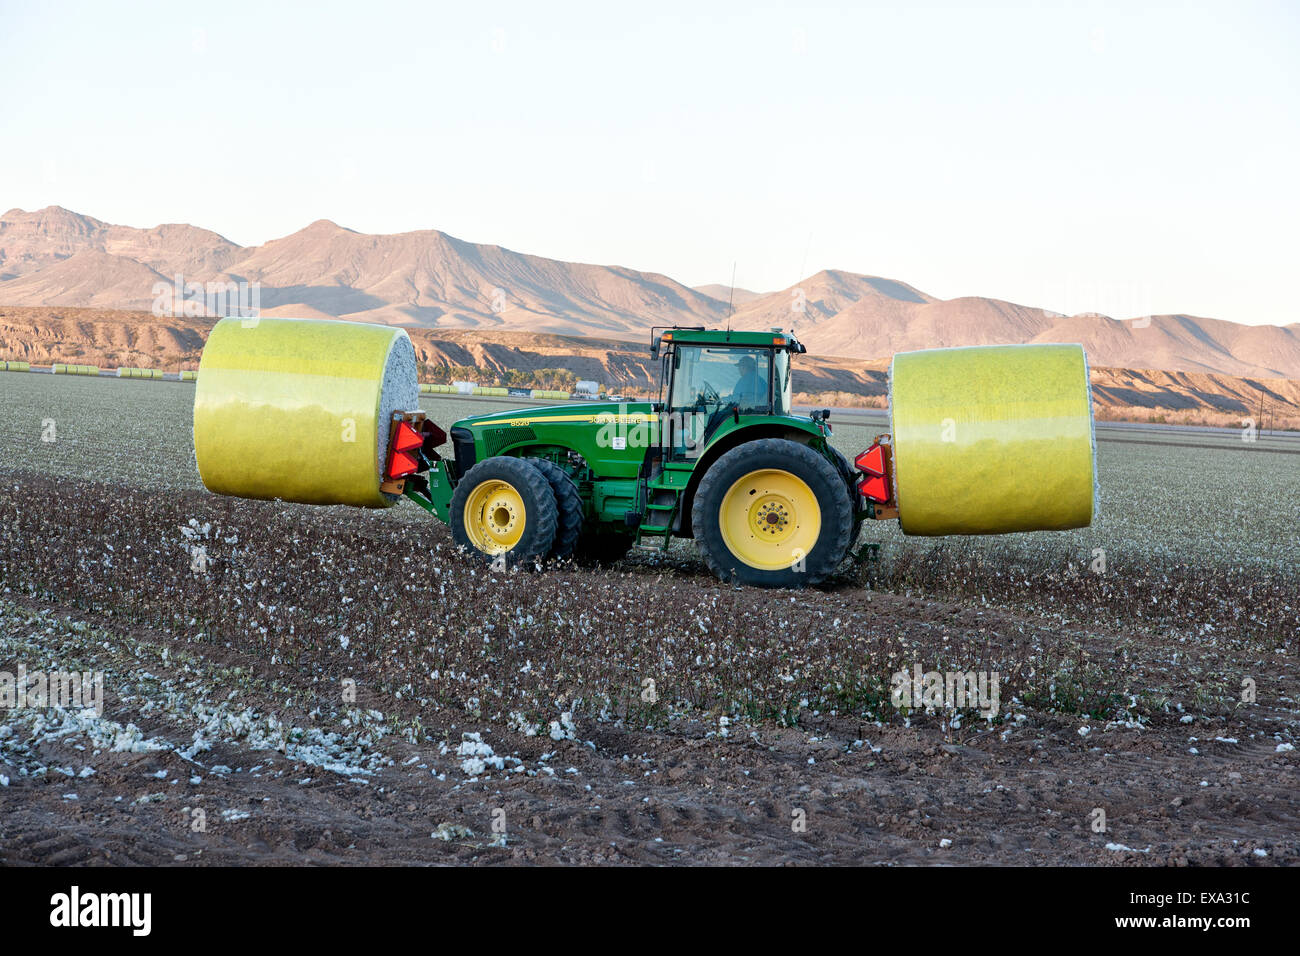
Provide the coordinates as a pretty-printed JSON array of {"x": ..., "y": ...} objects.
[
  {"x": 612, "y": 437},
  {"x": 584, "y": 412}
]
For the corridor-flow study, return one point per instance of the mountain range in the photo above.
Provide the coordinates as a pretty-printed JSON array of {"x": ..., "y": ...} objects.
[{"x": 427, "y": 279}]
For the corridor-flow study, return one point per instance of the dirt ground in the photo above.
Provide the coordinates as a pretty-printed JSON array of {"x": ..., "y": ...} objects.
[
  {"x": 869, "y": 794},
  {"x": 222, "y": 741}
]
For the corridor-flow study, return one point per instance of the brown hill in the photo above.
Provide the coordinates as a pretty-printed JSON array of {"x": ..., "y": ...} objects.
[
  {"x": 54, "y": 257},
  {"x": 107, "y": 338},
  {"x": 725, "y": 293},
  {"x": 116, "y": 338},
  {"x": 89, "y": 278},
  {"x": 1184, "y": 343},
  {"x": 865, "y": 316},
  {"x": 32, "y": 241},
  {"x": 428, "y": 279}
]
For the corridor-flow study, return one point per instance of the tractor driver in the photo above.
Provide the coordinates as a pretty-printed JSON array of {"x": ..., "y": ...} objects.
[{"x": 751, "y": 389}]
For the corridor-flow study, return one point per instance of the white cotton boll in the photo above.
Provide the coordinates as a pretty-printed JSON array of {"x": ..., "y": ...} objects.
[{"x": 564, "y": 728}]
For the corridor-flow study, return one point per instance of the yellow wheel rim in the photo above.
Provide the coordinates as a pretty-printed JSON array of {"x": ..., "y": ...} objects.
[
  {"x": 495, "y": 517},
  {"x": 770, "y": 519}
]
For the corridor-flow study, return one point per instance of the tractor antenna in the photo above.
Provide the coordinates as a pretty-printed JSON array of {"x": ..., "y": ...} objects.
[{"x": 731, "y": 296}]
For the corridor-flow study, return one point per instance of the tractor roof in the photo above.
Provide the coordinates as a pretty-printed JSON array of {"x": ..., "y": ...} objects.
[{"x": 726, "y": 337}]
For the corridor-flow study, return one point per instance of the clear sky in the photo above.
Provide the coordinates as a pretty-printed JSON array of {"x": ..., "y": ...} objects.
[{"x": 1122, "y": 158}]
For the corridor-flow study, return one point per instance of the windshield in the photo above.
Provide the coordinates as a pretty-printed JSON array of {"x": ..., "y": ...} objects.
[{"x": 723, "y": 376}]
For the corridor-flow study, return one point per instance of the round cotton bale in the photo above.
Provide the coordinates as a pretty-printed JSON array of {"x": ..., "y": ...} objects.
[
  {"x": 299, "y": 409},
  {"x": 993, "y": 439}
]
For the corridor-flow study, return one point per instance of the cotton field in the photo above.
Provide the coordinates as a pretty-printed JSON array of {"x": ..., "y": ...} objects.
[{"x": 288, "y": 683}]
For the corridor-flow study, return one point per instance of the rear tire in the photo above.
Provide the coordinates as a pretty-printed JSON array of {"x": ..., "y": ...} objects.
[
  {"x": 503, "y": 510},
  {"x": 844, "y": 468},
  {"x": 568, "y": 505},
  {"x": 851, "y": 476},
  {"x": 772, "y": 513}
]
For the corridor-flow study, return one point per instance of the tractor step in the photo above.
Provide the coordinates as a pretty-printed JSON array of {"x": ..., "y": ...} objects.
[
  {"x": 656, "y": 526},
  {"x": 651, "y": 539}
]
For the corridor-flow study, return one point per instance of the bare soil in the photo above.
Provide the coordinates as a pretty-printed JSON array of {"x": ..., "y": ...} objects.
[{"x": 236, "y": 657}]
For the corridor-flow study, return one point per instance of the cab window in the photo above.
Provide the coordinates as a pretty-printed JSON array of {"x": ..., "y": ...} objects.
[{"x": 706, "y": 376}]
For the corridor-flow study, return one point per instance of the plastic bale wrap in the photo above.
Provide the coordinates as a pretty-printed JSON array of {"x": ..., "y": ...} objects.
[
  {"x": 993, "y": 439},
  {"x": 299, "y": 409}
]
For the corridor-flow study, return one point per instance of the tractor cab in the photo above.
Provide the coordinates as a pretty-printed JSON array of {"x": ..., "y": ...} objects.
[{"x": 708, "y": 376}]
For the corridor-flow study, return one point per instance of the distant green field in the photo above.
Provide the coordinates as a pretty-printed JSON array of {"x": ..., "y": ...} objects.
[{"x": 1201, "y": 498}]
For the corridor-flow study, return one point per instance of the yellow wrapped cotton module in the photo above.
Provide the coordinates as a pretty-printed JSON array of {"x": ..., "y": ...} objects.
[
  {"x": 299, "y": 409},
  {"x": 993, "y": 439}
]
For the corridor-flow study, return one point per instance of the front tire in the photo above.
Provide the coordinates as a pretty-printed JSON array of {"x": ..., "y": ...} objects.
[
  {"x": 504, "y": 511},
  {"x": 772, "y": 513},
  {"x": 568, "y": 504}
]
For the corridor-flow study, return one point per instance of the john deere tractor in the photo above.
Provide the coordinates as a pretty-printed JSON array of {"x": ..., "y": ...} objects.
[
  {"x": 983, "y": 441},
  {"x": 721, "y": 458}
]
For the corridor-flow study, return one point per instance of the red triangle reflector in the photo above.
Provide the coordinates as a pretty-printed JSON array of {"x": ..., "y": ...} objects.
[
  {"x": 403, "y": 463},
  {"x": 406, "y": 438},
  {"x": 875, "y": 488},
  {"x": 872, "y": 461}
]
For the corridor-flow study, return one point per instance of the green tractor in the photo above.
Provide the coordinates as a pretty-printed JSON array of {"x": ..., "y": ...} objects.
[
  {"x": 721, "y": 458},
  {"x": 985, "y": 440}
]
